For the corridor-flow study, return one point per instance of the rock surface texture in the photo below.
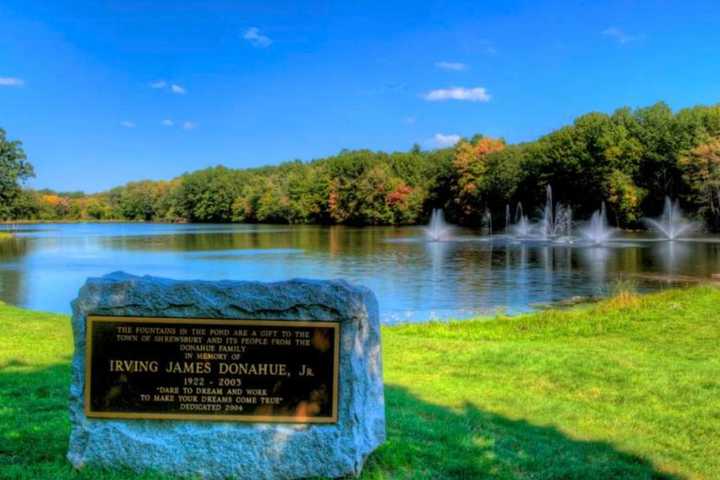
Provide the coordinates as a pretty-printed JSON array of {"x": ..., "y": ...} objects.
[{"x": 219, "y": 450}]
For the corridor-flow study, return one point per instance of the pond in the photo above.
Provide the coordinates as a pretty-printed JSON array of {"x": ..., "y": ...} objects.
[{"x": 43, "y": 266}]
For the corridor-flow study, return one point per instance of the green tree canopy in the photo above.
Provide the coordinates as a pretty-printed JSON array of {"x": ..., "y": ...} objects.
[
  {"x": 629, "y": 159},
  {"x": 14, "y": 170}
]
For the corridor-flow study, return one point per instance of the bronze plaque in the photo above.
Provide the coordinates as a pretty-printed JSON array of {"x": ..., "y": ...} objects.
[{"x": 212, "y": 369}]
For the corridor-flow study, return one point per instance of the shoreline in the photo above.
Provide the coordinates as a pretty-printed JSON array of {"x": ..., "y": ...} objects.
[
  {"x": 671, "y": 282},
  {"x": 81, "y": 222},
  {"x": 615, "y": 386},
  {"x": 5, "y": 223}
]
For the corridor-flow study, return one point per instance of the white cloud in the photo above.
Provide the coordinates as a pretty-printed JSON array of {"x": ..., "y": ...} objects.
[
  {"x": 171, "y": 87},
  {"x": 477, "y": 94},
  {"x": 410, "y": 120},
  {"x": 619, "y": 35},
  {"x": 256, "y": 38},
  {"x": 11, "y": 82},
  {"x": 455, "y": 66},
  {"x": 187, "y": 125},
  {"x": 167, "y": 122},
  {"x": 446, "y": 139},
  {"x": 128, "y": 124}
]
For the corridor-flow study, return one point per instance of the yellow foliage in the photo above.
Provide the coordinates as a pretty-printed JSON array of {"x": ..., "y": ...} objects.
[
  {"x": 701, "y": 171},
  {"x": 52, "y": 200}
]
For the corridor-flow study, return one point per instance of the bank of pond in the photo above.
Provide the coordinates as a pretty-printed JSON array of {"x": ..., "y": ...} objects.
[{"x": 624, "y": 388}]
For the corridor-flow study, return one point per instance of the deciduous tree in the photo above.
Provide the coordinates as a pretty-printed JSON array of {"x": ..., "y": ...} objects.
[{"x": 14, "y": 170}]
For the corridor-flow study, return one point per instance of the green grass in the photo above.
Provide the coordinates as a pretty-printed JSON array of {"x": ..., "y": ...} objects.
[
  {"x": 627, "y": 388},
  {"x": 5, "y": 235}
]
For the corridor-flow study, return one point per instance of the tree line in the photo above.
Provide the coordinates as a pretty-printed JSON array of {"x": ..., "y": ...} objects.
[{"x": 630, "y": 159}]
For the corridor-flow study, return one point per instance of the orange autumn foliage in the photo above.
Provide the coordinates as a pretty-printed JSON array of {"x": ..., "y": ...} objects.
[
  {"x": 470, "y": 165},
  {"x": 400, "y": 194}
]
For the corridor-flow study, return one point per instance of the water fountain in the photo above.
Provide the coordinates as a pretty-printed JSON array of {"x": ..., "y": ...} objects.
[
  {"x": 671, "y": 223},
  {"x": 486, "y": 222},
  {"x": 555, "y": 224},
  {"x": 556, "y": 218},
  {"x": 521, "y": 228},
  {"x": 437, "y": 230},
  {"x": 598, "y": 231}
]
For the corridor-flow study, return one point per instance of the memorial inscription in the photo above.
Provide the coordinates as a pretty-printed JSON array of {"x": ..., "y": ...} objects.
[{"x": 212, "y": 369}]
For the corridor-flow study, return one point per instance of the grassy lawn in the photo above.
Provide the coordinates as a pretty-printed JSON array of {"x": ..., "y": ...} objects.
[{"x": 627, "y": 388}]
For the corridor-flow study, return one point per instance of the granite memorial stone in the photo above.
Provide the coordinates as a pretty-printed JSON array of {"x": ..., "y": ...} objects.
[{"x": 226, "y": 379}]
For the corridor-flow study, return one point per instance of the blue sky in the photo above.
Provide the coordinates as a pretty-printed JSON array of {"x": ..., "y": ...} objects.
[{"x": 106, "y": 92}]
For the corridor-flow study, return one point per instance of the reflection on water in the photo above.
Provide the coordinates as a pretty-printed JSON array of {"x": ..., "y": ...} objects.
[{"x": 45, "y": 265}]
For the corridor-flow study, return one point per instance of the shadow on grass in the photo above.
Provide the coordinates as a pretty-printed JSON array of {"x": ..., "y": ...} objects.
[
  {"x": 35, "y": 428},
  {"x": 424, "y": 440},
  {"x": 432, "y": 441}
]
